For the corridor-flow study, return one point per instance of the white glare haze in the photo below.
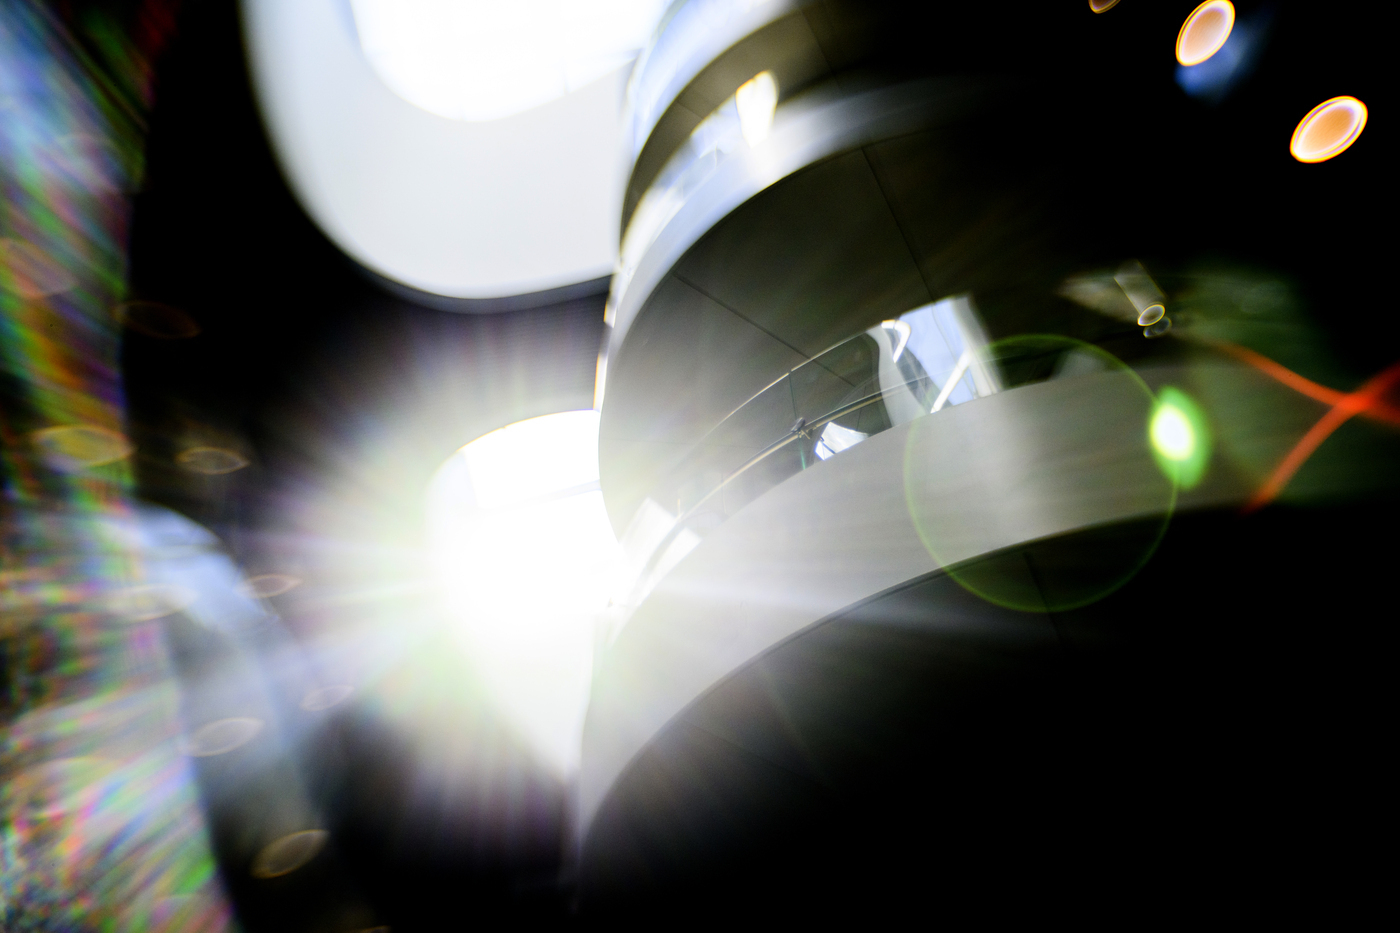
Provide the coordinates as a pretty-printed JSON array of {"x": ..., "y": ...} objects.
[
  {"x": 486, "y": 59},
  {"x": 524, "y": 558}
]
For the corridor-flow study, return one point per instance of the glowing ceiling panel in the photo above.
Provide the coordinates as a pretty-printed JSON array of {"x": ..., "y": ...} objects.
[
  {"x": 483, "y": 59},
  {"x": 466, "y": 208}
]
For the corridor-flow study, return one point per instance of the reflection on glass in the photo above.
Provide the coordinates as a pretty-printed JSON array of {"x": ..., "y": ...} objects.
[
  {"x": 835, "y": 439},
  {"x": 900, "y": 370}
]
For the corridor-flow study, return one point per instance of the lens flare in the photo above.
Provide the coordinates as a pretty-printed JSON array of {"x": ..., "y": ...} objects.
[
  {"x": 1180, "y": 437},
  {"x": 524, "y": 556},
  {"x": 83, "y": 445},
  {"x": 32, "y": 272},
  {"x": 1205, "y": 31},
  {"x": 266, "y": 585},
  {"x": 325, "y": 697},
  {"x": 289, "y": 853},
  {"x": 1102, "y": 6},
  {"x": 1172, "y": 434},
  {"x": 211, "y": 461},
  {"x": 1057, "y": 584},
  {"x": 222, "y": 736},
  {"x": 1328, "y": 130},
  {"x": 1151, "y": 315}
]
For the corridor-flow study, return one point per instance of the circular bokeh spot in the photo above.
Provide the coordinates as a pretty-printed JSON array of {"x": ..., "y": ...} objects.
[{"x": 1084, "y": 533}]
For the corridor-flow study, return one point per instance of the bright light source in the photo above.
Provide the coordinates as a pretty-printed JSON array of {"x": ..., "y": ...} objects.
[
  {"x": 525, "y": 560},
  {"x": 756, "y": 100},
  {"x": 1328, "y": 129},
  {"x": 484, "y": 59},
  {"x": 1205, "y": 31},
  {"x": 534, "y": 458}
]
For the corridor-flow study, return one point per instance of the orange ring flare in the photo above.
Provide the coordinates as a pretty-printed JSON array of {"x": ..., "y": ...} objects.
[
  {"x": 1205, "y": 31},
  {"x": 1328, "y": 129}
]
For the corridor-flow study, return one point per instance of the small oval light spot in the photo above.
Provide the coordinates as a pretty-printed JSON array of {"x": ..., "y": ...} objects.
[
  {"x": 221, "y": 736},
  {"x": 84, "y": 445},
  {"x": 284, "y": 856},
  {"x": 265, "y": 585},
  {"x": 1205, "y": 31},
  {"x": 1328, "y": 129},
  {"x": 326, "y": 697},
  {"x": 211, "y": 461}
]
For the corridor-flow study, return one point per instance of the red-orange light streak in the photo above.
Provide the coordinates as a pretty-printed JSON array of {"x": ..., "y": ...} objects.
[
  {"x": 1363, "y": 400},
  {"x": 1304, "y": 386}
]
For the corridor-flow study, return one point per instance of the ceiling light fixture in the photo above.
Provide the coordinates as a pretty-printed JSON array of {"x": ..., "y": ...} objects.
[
  {"x": 1328, "y": 129},
  {"x": 1205, "y": 31}
]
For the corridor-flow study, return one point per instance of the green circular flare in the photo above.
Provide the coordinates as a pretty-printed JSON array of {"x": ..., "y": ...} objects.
[
  {"x": 1078, "y": 566},
  {"x": 1180, "y": 437}
]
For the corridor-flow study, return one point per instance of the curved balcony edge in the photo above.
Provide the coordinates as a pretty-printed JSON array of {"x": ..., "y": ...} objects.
[
  {"x": 804, "y": 133},
  {"x": 652, "y": 110},
  {"x": 1003, "y": 471}
]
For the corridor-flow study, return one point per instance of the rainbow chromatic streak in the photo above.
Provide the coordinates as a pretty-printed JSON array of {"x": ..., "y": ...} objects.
[{"x": 99, "y": 823}]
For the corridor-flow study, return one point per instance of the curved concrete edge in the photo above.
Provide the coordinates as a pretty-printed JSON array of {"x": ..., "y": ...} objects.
[
  {"x": 1015, "y": 467},
  {"x": 770, "y": 37},
  {"x": 805, "y": 132},
  {"x": 705, "y": 45}
]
